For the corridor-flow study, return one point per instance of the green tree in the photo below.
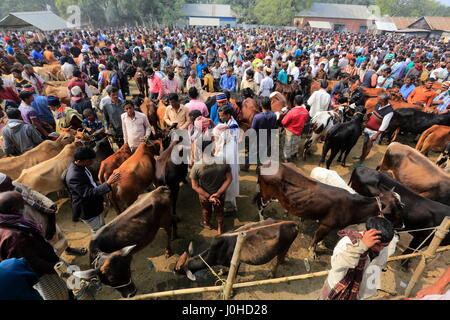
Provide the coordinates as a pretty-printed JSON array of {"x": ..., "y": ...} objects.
[
  {"x": 412, "y": 8},
  {"x": 278, "y": 12}
]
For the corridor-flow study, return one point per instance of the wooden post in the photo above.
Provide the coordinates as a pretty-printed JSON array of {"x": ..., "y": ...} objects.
[
  {"x": 429, "y": 253},
  {"x": 234, "y": 265}
]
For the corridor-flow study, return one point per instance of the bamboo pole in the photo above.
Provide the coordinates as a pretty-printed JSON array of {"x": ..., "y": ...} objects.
[
  {"x": 235, "y": 260},
  {"x": 172, "y": 293},
  {"x": 429, "y": 253},
  {"x": 417, "y": 254}
]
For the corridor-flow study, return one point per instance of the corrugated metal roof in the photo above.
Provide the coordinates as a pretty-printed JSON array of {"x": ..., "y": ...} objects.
[
  {"x": 319, "y": 24},
  {"x": 438, "y": 23},
  {"x": 43, "y": 20},
  {"x": 207, "y": 10},
  {"x": 402, "y": 22},
  {"x": 385, "y": 26},
  {"x": 335, "y": 10}
]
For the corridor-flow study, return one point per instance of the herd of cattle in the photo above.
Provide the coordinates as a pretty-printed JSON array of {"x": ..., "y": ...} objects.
[{"x": 415, "y": 195}]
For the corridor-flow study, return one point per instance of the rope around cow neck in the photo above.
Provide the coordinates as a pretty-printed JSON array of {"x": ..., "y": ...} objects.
[{"x": 219, "y": 279}]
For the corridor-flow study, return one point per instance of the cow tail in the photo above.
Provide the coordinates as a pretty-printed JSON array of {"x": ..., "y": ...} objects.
[
  {"x": 383, "y": 166},
  {"x": 351, "y": 181},
  {"x": 422, "y": 139}
]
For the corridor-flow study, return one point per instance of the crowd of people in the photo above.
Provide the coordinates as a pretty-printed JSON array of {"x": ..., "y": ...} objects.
[{"x": 183, "y": 64}]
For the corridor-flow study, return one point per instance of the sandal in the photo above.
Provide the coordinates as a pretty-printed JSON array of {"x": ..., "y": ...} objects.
[{"x": 76, "y": 251}]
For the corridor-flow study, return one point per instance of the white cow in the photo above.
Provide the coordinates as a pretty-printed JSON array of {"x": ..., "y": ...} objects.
[
  {"x": 320, "y": 124},
  {"x": 331, "y": 178}
]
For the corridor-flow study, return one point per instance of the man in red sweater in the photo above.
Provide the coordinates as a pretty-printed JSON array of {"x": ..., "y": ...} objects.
[{"x": 294, "y": 122}]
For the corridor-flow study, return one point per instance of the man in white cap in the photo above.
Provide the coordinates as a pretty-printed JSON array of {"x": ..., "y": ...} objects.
[
  {"x": 78, "y": 100},
  {"x": 442, "y": 101},
  {"x": 266, "y": 84},
  {"x": 259, "y": 74}
]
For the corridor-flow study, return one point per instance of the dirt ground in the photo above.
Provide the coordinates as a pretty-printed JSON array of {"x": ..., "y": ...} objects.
[{"x": 152, "y": 272}]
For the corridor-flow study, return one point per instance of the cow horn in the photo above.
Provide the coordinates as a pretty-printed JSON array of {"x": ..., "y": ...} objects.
[
  {"x": 86, "y": 274},
  {"x": 191, "y": 249},
  {"x": 125, "y": 251},
  {"x": 190, "y": 275}
]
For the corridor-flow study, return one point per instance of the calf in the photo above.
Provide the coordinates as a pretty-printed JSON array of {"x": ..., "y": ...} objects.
[
  {"x": 343, "y": 137},
  {"x": 332, "y": 207},
  {"x": 46, "y": 177},
  {"x": 112, "y": 247},
  {"x": 419, "y": 212},
  {"x": 433, "y": 138},
  {"x": 443, "y": 160},
  {"x": 264, "y": 241},
  {"x": 416, "y": 172},
  {"x": 414, "y": 121},
  {"x": 137, "y": 174},
  {"x": 149, "y": 108},
  {"x": 114, "y": 161},
  {"x": 103, "y": 150},
  {"x": 170, "y": 174},
  {"x": 13, "y": 166}
]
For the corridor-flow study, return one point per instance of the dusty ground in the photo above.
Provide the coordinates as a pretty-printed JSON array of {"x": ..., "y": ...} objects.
[{"x": 151, "y": 271}]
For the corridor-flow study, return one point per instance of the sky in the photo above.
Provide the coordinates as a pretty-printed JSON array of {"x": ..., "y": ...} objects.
[{"x": 446, "y": 2}]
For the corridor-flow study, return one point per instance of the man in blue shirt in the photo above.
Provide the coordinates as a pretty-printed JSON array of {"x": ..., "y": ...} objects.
[
  {"x": 40, "y": 104},
  {"x": 398, "y": 69},
  {"x": 221, "y": 100},
  {"x": 228, "y": 81},
  {"x": 38, "y": 58},
  {"x": 298, "y": 52},
  {"x": 407, "y": 87},
  {"x": 17, "y": 279},
  {"x": 199, "y": 67},
  {"x": 9, "y": 48},
  {"x": 282, "y": 75}
]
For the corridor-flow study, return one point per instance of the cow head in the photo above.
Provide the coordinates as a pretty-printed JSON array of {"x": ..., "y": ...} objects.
[
  {"x": 186, "y": 263},
  {"x": 392, "y": 208},
  {"x": 113, "y": 269},
  {"x": 357, "y": 97},
  {"x": 65, "y": 137}
]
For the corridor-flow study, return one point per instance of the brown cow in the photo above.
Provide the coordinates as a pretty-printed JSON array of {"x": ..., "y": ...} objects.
[
  {"x": 249, "y": 109},
  {"x": 160, "y": 113},
  {"x": 137, "y": 174},
  {"x": 417, "y": 172},
  {"x": 433, "y": 138},
  {"x": 112, "y": 247},
  {"x": 13, "y": 166},
  {"x": 315, "y": 85},
  {"x": 372, "y": 102},
  {"x": 113, "y": 162},
  {"x": 46, "y": 177},
  {"x": 288, "y": 90},
  {"x": 277, "y": 101},
  {"x": 332, "y": 207},
  {"x": 150, "y": 110},
  {"x": 60, "y": 90}
]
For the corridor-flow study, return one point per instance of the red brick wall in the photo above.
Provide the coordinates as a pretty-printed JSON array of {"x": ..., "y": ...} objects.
[{"x": 350, "y": 24}]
